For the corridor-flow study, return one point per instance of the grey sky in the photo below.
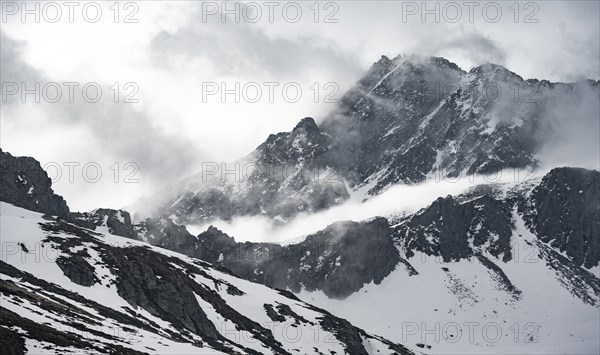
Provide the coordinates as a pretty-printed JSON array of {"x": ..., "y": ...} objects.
[{"x": 177, "y": 47}]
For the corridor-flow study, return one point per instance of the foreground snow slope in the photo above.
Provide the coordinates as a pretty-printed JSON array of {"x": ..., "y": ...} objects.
[
  {"x": 66, "y": 289},
  {"x": 464, "y": 307}
]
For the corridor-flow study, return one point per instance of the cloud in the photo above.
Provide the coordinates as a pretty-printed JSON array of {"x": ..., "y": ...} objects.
[
  {"x": 242, "y": 48},
  {"x": 120, "y": 131},
  {"x": 393, "y": 201},
  {"x": 171, "y": 51},
  {"x": 574, "y": 116},
  {"x": 472, "y": 46}
]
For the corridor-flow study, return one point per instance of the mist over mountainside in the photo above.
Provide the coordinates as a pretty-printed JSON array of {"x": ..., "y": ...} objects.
[
  {"x": 406, "y": 120},
  {"x": 143, "y": 283},
  {"x": 300, "y": 178},
  {"x": 73, "y": 284},
  {"x": 490, "y": 252}
]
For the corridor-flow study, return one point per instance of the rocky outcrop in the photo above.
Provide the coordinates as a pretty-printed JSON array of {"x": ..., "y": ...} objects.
[
  {"x": 564, "y": 211},
  {"x": 455, "y": 230},
  {"x": 25, "y": 184},
  {"x": 118, "y": 222},
  {"x": 77, "y": 270},
  {"x": 338, "y": 260},
  {"x": 286, "y": 175}
]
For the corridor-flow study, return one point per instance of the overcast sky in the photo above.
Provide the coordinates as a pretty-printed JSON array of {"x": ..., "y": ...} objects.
[{"x": 175, "y": 53}]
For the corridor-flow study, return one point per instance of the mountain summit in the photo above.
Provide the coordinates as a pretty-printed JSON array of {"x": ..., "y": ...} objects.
[{"x": 407, "y": 119}]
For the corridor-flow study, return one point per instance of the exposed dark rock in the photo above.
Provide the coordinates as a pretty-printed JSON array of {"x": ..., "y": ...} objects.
[
  {"x": 564, "y": 210},
  {"x": 25, "y": 184},
  {"x": 405, "y": 120},
  {"x": 117, "y": 221},
  {"x": 12, "y": 342},
  {"x": 164, "y": 233},
  {"x": 446, "y": 227},
  {"x": 351, "y": 335},
  {"x": 575, "y": 279},
  {"x": 272, "y": 313},
  {"x": 77, "y": 270},
  {"x": 285, "y": 310},
  {"x": 285, "y": 175},
  {"x": 338, "y": 260},
  {"x": 23, "y": 248},
  {"x": 342, "y": 258},
  {"x": 104, "y": 311},
  {"x": 500, "y": 276},
  {"x": 42, "y": 332},
  {"x": 161, "y": 285}
]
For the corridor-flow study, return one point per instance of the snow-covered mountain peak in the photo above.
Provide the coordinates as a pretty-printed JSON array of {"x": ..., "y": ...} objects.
[
  {"x": 407, "y": 119},
  {"x": 495, "y": 72}
]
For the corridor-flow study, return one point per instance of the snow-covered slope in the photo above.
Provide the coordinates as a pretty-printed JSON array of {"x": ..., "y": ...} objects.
[
  {"x": 67, "y": 289},
  {"x": 502, "y": 268},
  {"x": 466, "y": 307}
]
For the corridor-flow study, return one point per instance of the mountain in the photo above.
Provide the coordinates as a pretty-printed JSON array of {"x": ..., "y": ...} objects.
[
  {"x": 500, "y": 268},
  {"x": 406, "y": 120},
  {"x": 562, "y": 210},
  {"x": 284, "y": 176},
  {"x": 431, "y": 280},
  {"x": 73, "y": 285},
  {"x": 66, "y": 288},
  {"x": 486, "y": 256}
]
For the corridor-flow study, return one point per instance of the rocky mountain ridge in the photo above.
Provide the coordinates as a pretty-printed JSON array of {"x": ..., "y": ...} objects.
[
  {"x": 73, "y": 284},
  {"x": 405, "y": 120},
  {"x": 345, "y": 256}
]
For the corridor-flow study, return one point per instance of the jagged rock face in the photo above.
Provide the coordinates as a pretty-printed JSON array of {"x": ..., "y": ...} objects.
[
  {"x": 213, "y": 242},
  {"x": 305, "y": 143},
  {"x": 26, "y": 184},
  {"x": 284, "y": 176},
  {"x": 406, "y": 119},
  {"x": 118, "y": 222},
  {"x": 77, "y": 270},
  {"x": 166, "y": 234},
  {"x": 377, "y": 119},
  {"x": 455, "y": 230},
  {"x": 564, "y": 211},
  {"x": 126, "y": 297},
  {"x": 347, "y": 255},
  {"x": 338, "y": 260},
  {"x": 409, "y": 117}
]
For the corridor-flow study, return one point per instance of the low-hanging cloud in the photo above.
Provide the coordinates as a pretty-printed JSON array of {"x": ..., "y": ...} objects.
[{"x": 396, "y": 200}]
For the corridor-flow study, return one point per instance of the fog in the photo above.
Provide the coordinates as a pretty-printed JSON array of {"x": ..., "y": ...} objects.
[
  {"x": 170, "y": 52},
  {"x": 396, "y": 200}
]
